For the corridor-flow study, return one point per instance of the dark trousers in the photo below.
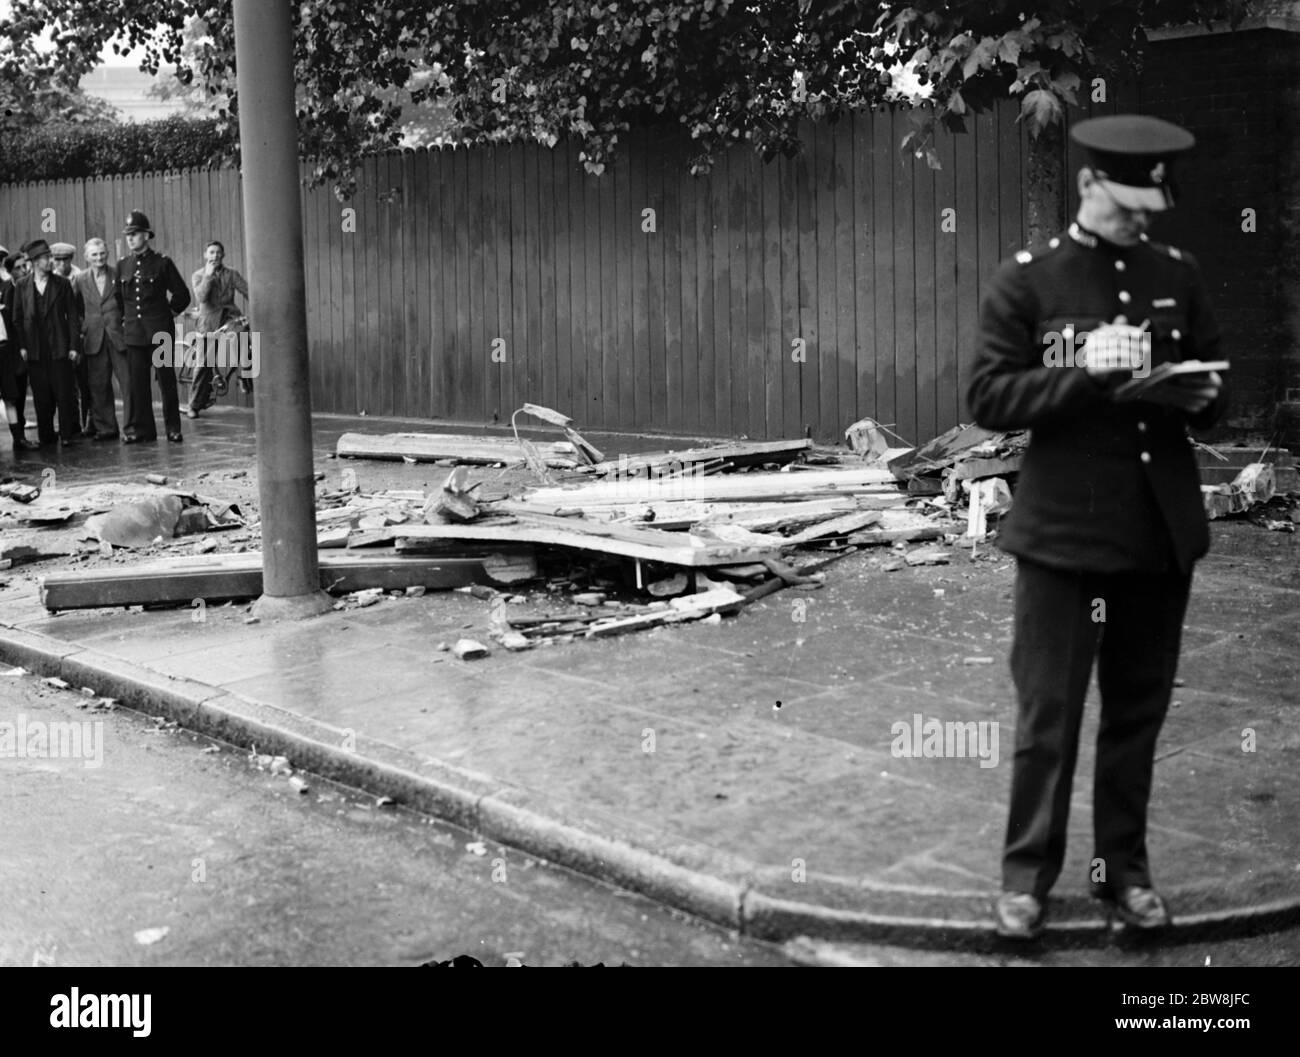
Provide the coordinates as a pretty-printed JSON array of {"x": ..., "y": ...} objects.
[
  {"x": 100, "y": 371},
  {"x": 54, "y": 388},
  {"x": 140, "y": 369},
  {"x": 201, "y": 388},
  {"x": 1132, "y": 623}
]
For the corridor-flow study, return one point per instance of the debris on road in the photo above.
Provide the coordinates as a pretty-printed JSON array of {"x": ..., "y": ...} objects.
[{"x": 148, "y": 937}]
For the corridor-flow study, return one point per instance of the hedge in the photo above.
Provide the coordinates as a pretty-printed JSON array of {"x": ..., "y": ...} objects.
[{"x": 68, "y": 152}]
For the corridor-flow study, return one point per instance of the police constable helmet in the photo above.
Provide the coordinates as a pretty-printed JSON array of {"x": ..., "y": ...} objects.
[
  {"x": 137, "y": 221},
  {"x": 1132, "y": 156}
]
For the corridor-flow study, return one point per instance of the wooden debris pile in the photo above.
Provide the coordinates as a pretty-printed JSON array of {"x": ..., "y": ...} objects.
[{"x": 1253, "y": 493}]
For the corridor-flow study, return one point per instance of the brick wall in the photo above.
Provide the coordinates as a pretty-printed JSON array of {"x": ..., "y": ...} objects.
[{"x": 1239, "y": 93}]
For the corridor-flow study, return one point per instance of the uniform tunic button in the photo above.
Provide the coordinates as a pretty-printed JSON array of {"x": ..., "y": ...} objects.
[
  {"x": 1120, "y": 266},
  {"x": 1176, "y": 334},
  {"x": 1142, "y": 427},
  {"x": 1145, "y": 456},
  {"x": 1125, "y": 297}
]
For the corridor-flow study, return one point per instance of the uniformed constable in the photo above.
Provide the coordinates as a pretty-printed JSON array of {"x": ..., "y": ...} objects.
[
  {"x": 1108, "y": 517},
  {"x": 153, "y": 294}
]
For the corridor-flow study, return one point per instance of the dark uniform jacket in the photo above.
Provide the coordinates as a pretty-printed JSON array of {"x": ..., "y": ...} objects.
[
  {"x": 1105, "y": 486},
  {"x": 153, "y": 294},
  {"x": 57, "y": 321}
]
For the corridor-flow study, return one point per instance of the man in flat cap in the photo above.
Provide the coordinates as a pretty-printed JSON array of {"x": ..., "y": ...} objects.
[
  {"x": 63, "y": 252},
  {"x": 1108, "y": 517},
  {"x": 153, "y": 294},
  {"x": 49, "y": 342}
]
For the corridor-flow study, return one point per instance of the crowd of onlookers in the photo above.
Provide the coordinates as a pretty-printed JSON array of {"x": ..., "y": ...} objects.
[{"x": 67, "y": 334}]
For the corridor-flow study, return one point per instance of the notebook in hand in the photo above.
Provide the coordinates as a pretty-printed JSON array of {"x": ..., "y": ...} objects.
[{"x": 1136, "y": 388}]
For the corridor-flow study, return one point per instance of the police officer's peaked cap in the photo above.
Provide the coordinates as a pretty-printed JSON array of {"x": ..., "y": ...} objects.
[
  {"x": 1133, "y": 155},
  {"x": 63, "y": 250},
  {"x": 137, "y": 221}
]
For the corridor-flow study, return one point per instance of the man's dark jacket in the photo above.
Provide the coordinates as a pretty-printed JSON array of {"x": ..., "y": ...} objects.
[
  {"x": 153, "y": 295},
  {"x": 1105, "y": 486},
  {"x": 59, "y": 320}
]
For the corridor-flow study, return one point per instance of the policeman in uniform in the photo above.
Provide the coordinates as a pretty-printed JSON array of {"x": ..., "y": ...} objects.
[
  {"x": 1108, "y": 517},
  {"x": 153, "y": 294}
]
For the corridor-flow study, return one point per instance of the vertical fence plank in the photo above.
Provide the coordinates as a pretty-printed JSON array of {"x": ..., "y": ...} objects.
[
  {"x": 969, "y": 280},
  {"x": 827, "y": 350},
  {"x": 652, "y": 243},
  {"x": 579, "y": 259},
  {"x": 706, "y": 322},
  {"x": 929, "y": 222},
  {"x": 504, "y": 288},
  {"x": 720, "y": 185},
  {"x": 846, "y": 336},
  {"x": 686, "y": 192},
  {"x": 864, "y": 237},
  {"x": 737, "y": 225},
  {"x": 903, "y": 169},
  {"x": 946, "y": 302},
  {"x": 884, "y": 157}
]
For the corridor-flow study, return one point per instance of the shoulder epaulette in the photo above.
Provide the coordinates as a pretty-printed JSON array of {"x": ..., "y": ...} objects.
[
  {"x": 1037, "y": 253},
  {"x": 1172, "y": 252}
]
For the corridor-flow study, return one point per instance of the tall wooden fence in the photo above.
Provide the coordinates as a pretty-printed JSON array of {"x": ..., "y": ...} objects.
[{"x": 762, "y": 299}]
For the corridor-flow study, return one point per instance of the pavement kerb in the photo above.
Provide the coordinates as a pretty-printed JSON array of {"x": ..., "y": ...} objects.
[{"x": 715, "y": 886}]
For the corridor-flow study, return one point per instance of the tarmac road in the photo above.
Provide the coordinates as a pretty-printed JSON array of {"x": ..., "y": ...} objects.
[{"x": 240, "y": 869}]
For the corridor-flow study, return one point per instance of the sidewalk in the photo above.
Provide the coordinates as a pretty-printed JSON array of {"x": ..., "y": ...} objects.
[{"x": 742, "y": 771}]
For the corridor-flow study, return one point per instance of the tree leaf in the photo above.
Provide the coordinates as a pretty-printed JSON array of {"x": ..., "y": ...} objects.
[{"x": 1040, "y": 108}]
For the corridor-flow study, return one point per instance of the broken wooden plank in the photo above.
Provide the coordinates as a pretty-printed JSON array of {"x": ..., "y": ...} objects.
[
  {"x": 671, "y": 548},
  {"x": 739, "y": 453},
  {"x": 214, "y": 577},
  {"x": 429, "y": 447},
  {"x": 740, "y": 487},
  {"x": 897, "y": 535},
  {"x": 689, "y": 607},
  {"x": 972, "y": 469},
  {"x": 836, "y": 526},
  {"x": 332, "y": 537}
]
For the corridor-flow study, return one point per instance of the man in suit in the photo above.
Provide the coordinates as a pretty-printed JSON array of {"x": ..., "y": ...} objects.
[
  {"x": 1108, "y": 517},
  {"x": 63, "y": 252},
  {"x": 153, "y": 294},
  {"x": 49, "y": 334},
  {"x": 102, "y": 341}
]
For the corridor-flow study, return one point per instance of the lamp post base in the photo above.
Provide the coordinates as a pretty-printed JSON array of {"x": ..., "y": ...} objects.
[{"x": 297, "y": 607}]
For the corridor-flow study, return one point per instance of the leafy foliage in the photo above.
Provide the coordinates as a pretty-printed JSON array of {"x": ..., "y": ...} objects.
[
  {"x": 64, "y": 152},
  {"x": 30, "y": 103},
  {"x": 726, "y": 71}
]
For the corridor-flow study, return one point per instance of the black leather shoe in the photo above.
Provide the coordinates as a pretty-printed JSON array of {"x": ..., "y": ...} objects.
[
  {"x": 101, "y": 437},
  {"x": 1020, "y": 916},
  {"x": 138, "y": 440},
  {"x": 76, "y": 438},
  {"x": 175, "y": 438},
  {"x": 1140, "y": 907},
  {"x": 23, "y": 444}
]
